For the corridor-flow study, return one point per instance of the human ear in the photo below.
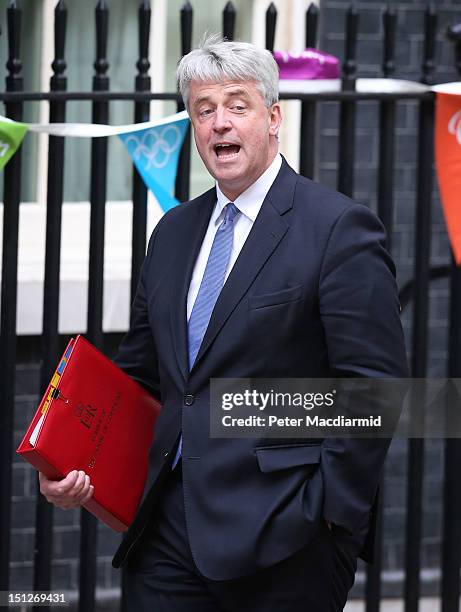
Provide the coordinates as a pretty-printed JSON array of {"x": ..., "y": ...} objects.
[{"x": 275, "y": 119}]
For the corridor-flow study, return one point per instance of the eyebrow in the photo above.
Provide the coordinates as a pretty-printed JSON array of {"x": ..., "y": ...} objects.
[{"x": 235, "y": 93}]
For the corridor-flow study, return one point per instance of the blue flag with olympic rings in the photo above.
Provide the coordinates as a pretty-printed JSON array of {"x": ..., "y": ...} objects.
[{"x": 155, "y": 152}]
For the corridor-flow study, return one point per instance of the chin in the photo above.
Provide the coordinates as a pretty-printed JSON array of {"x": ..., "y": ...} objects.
[{"x": 222, "y": 175}]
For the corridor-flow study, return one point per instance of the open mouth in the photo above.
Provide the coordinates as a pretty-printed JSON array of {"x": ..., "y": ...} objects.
[{"x": 224, "y": 151}]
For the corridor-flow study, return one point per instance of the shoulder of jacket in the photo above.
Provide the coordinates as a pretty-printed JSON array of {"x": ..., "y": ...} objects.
[{"x": 325, "y": 201}]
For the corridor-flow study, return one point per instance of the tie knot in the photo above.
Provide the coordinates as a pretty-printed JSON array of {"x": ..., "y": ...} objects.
[{"x": 230, "y": 212}]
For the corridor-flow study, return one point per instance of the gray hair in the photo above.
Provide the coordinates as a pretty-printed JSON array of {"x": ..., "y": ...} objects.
[{"x": 217, "y": 59}]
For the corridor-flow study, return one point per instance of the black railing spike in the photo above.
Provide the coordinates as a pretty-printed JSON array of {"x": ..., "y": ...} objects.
[
  {"x": 312, "y": 16},
  {"x": 432, "y": 9},
  {"x": 350, "y": 65},
  {"x": 183, "y": 175},
  {"x": 390, "y": 23},
  {"x": 14, "y": 64},
  {"x": 347, "y": 116},
  {"x": 101, "y": 64},
  {"x": 186, "y": 16},
  {"x": 430, "y": 32},
  {"x": 271, "y": 20},
  {"x": 309, "y": 108},
  {"x": 60, "y": 22},
  {"x": 141, "y": 114},
  {"x": 390, "y": 10},
  {"x": 144, "y": 15},
  {"x": 144, "y": 6},
  {"x": 228, "y": 21},
  {"x": 352, "y": 8}
]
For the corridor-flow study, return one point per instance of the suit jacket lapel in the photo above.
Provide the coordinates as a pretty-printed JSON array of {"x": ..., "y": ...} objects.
[
  {"x": 267, "y": 231},
  {"x": 188, "y": 247}
]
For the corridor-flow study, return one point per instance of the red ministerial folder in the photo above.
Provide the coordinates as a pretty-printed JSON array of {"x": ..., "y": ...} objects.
[{"x": 94, "y": 417}]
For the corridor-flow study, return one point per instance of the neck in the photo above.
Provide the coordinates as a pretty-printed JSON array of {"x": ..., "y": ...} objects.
[{"x": 233, "y": 193}]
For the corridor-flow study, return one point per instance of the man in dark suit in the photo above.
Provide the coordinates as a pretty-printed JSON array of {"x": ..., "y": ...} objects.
[{"x": 268, "y": 275}]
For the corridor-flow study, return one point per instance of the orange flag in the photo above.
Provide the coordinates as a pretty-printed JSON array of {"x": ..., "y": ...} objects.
[{"x": 448, "y": 163}]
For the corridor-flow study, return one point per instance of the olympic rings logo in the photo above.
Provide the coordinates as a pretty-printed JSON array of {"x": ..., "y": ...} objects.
[
  {"x": 156, "y": 145},
  {"x": 454, "y": 126}
]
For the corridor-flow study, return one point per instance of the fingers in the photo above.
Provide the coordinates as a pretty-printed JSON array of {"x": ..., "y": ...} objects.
[
  {"x": 50, "y": 488},
  {"x": 89, "y": 495},
  {"x": 77, "y": 495},
  {"x": 70, "y": 492}
]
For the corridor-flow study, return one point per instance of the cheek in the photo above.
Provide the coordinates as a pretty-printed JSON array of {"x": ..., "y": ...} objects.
[
  {"x": 200, "y": 143},
  {"x": 198, "y": 138},
  {"x": 201, "y": 134},
  {"x": 257, "y": 141}
]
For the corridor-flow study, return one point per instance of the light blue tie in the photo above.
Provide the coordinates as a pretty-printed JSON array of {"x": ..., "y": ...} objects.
[{"x": 210, "y": 288}]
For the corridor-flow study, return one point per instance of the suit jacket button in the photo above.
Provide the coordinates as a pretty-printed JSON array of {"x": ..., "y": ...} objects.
[{"x": 189, "y": 400}]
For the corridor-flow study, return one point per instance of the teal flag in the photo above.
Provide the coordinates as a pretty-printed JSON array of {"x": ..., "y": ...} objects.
[{"x": 155, "y": 153}]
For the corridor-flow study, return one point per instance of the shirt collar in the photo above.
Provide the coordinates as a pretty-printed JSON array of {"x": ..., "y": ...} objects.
[{"x": 250, "y": 201}]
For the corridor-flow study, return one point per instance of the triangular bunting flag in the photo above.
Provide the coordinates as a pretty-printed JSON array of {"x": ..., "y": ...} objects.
[
  {"x": 448, "y": 163},
  {"x": 155, "y": 153},
  {"x": 11, "y": 135}
]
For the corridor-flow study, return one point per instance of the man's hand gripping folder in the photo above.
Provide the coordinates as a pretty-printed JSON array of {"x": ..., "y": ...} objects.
[{"x": 94, "y": 417}]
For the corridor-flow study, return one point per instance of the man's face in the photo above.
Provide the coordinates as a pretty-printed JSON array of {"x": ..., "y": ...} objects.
[{"x": 234, "y": 131}]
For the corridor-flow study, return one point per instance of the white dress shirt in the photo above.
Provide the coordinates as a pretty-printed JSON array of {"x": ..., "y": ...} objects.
[{"x": 249, "y": 203}]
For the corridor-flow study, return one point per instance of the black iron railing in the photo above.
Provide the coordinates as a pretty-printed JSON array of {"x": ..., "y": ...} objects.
[{"x": 415, "y": 292}]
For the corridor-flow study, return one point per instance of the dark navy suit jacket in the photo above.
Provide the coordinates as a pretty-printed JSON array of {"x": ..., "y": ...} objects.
[{"x": 312, "y": 294}]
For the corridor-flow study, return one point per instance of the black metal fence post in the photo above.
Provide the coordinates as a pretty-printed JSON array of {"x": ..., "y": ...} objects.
[
  {"x": 50, "y": 337},
  {"x": 348, "y": 109},
  {"x": 11, "y": 200},
  {"x": 228, "y": 21},
  {"x": 141, "y": 114},
  {"x": 309, "y": 109},
  {"x": 420, "y": 318},
  {"x": 271, "y": 22},
  {"x": 88, "y": 536},
  {"x": 387, "y": 131},
  {"x": 451, "y": 553},
  {"x": 183, "y": 176}
]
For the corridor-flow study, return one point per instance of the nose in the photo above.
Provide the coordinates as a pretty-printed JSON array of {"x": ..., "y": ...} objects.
[{"x": 222, "y": 121}]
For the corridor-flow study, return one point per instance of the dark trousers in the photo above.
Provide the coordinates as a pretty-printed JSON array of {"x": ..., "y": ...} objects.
[{"x": 162, "y": 576}]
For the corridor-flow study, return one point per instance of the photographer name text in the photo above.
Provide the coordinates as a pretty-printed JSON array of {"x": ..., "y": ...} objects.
[{"x": 306, "y": 421}]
